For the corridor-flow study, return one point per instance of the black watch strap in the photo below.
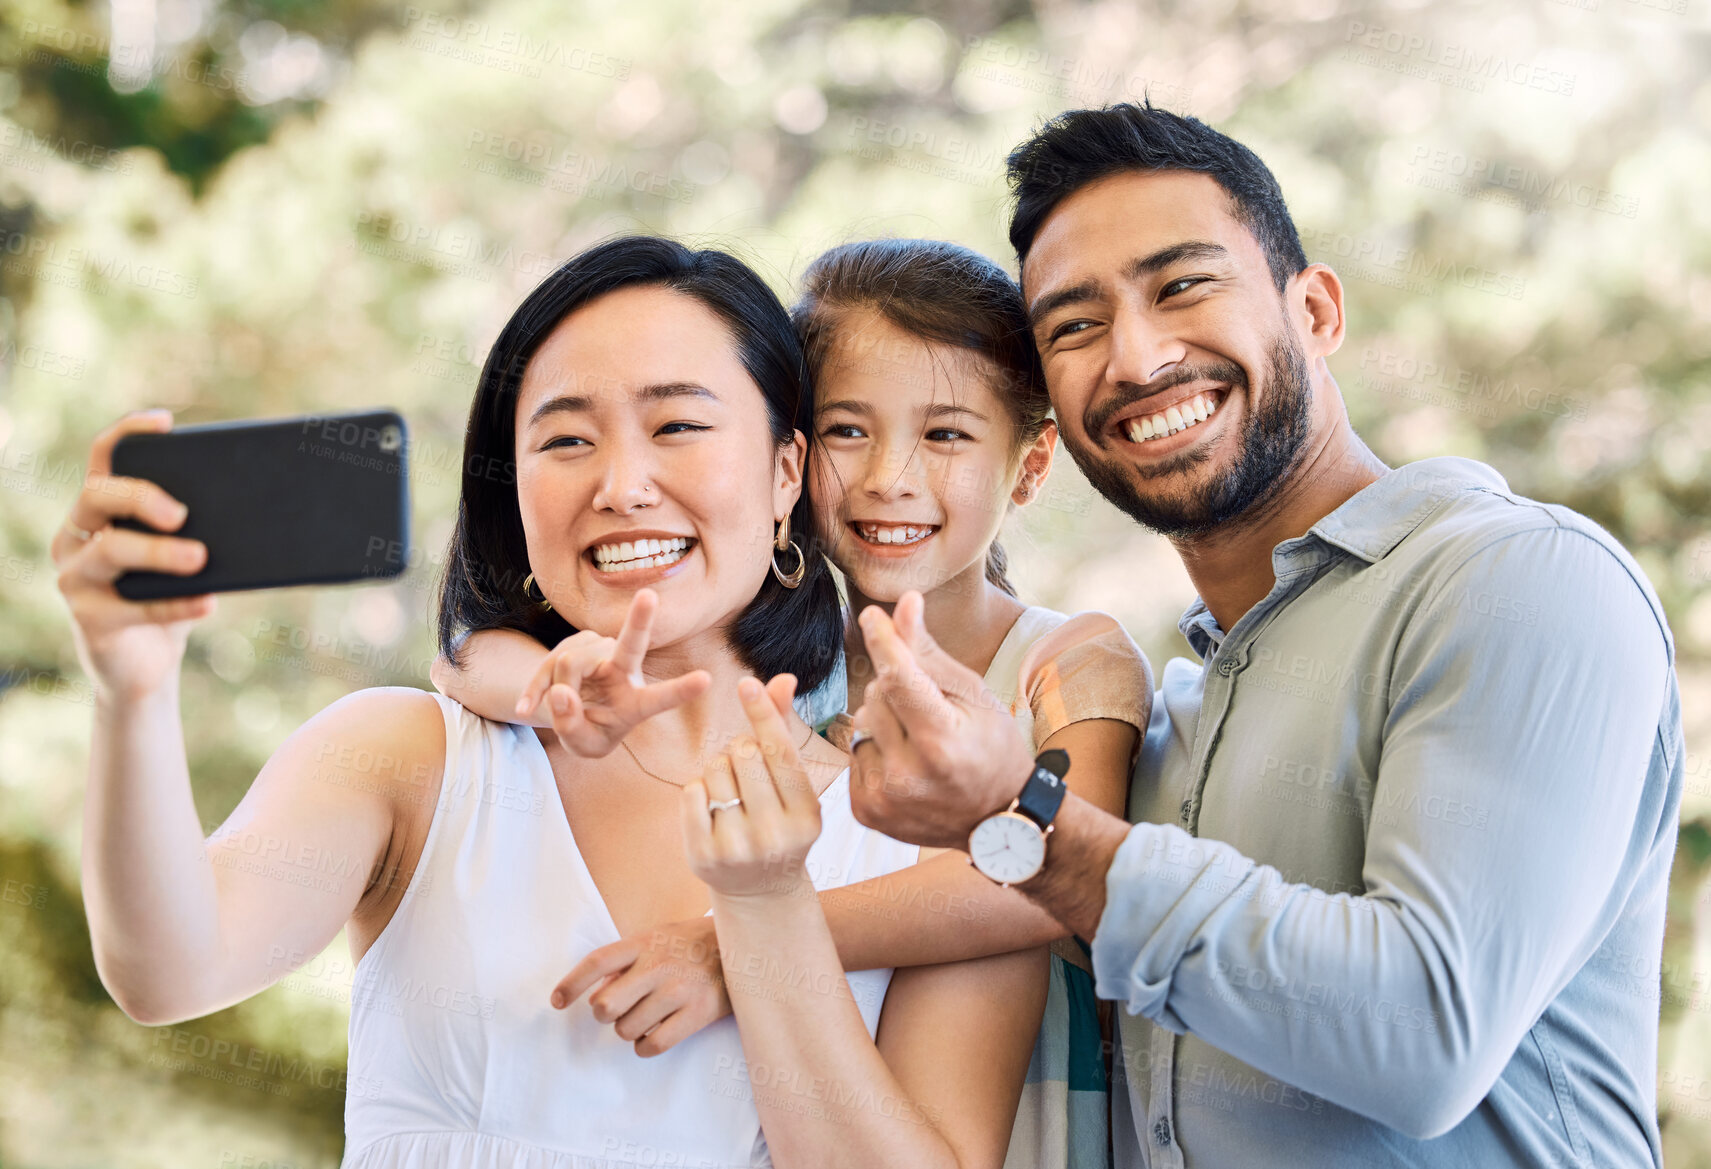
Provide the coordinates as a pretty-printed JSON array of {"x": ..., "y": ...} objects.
[{"x": 1043, "y": 794}]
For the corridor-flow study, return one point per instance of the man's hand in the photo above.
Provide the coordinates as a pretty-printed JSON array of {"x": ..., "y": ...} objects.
[
  {"x": 657, "y": 987},
  {"x": 944, "y": 753}
]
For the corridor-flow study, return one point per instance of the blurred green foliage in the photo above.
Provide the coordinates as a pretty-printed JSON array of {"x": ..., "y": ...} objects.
[{"x": 273, "y": 208}]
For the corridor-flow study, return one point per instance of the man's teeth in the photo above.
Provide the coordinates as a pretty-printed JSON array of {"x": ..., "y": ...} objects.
[
  {"x": 630, "y": 556},
  {"x": 1179, "y": 417},
  {"x": 894, "y": 534}
]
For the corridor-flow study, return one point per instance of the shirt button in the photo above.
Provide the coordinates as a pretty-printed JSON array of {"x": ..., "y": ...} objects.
[
  {"x": 1161, "y": 1131},
  {"x": 1227, "y": 667},
  {"x": 1186, "y": 807}
]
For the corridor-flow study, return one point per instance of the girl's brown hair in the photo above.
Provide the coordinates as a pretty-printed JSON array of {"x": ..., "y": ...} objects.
[{"x": 944, "y": 294}]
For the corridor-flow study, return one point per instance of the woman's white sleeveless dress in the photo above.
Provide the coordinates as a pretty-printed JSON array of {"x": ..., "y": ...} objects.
[{"x": 456, "y": 1057}]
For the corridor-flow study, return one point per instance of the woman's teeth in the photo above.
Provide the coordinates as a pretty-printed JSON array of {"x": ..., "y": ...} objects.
[
  {"x": 639, "y": 554},
  {"x": 894, "y": 533},
  {"x": 1179, "y": 417}
]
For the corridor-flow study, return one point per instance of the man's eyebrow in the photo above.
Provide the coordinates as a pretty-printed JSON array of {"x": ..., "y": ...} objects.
[
  {"x": 1052, "y": 301},
  {"x": 1144, "y": 266},
  {"x": 654, "y": 392},
  {"x": 1194, "y": 249}
]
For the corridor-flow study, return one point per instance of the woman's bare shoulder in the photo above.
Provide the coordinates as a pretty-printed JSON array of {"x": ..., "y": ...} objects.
[{"x": 389, "y": 740}]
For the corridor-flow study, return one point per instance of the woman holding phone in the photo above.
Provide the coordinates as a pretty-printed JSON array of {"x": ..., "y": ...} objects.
[{"x": 652, "y": 401}]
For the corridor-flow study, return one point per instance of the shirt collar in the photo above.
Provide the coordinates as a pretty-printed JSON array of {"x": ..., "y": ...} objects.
[
  {"x": 1200, "y": 629},
  {"x": 1369, "y": 523},
  {"x": 1375, "y": 519}
]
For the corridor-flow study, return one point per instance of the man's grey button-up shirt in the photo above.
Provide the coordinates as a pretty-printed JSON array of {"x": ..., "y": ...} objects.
[{"x": 1395, "y": 890}]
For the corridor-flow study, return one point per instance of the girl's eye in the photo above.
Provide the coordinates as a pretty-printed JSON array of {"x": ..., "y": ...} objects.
[
  {"x": 1176, "y": 286},
  {"x": 945, "y": 435},
  {"x": 682, "y": 427},
  {"x": 563, "y": 440},
  {"x": 842, "y": 430}
]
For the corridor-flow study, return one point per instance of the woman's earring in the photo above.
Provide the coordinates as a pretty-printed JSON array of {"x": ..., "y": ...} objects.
[
  {"x": 788, "y": 579},
  {"x": 528, "y": 583}
]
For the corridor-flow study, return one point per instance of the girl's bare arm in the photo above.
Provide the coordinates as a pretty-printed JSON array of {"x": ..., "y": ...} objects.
[{"x": 498, "y": 665}]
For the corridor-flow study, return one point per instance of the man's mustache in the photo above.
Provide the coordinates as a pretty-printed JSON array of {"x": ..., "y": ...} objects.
[{"x": 1094, "y": 418}]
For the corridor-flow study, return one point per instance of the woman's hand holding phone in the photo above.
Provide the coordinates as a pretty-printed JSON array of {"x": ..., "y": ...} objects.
[
  {"x": 594, "y": 687},
  {"x": 129, "y": 648}
]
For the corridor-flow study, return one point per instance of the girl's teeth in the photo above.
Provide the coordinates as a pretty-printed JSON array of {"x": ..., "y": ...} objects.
[
  {"x": 906, "y": 534},
  {"x": 1178, "y": 418}
]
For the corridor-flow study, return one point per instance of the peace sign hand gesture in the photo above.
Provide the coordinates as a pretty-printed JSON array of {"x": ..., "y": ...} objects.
[{"x": 594, "y": 686}]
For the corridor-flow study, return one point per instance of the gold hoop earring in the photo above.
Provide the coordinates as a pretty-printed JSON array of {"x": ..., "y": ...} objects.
[
  {"x": 543, "y": 602},
  {"x": 793, "y": 578}
]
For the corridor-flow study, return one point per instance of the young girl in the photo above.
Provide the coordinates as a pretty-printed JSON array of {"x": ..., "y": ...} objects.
[{"x": 930, "y": 423}]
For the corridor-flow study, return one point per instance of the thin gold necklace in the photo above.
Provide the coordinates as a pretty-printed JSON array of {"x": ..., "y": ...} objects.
[{"x": 656, "y": 775}]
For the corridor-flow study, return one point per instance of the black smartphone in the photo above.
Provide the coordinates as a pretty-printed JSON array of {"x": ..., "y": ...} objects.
[{"x": 321, "y": 499}]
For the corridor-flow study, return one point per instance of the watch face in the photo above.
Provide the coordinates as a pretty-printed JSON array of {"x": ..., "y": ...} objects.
[{"x": 1007, "y": 847}]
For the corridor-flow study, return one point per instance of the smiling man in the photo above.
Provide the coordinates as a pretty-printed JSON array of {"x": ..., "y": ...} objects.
[{"x": 1402, "y": 835}]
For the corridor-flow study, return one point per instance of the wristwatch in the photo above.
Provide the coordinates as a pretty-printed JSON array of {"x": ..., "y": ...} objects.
[{"x": 1010, "y": 846}]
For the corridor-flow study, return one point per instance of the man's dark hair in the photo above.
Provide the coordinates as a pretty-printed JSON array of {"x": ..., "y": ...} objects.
[
  {"x": 1079, "y": 146},
  {"x": 782, "y": 630}
]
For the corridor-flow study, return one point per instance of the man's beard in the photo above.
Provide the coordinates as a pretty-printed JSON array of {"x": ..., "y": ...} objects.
[{"x": 1273, "y": 438}]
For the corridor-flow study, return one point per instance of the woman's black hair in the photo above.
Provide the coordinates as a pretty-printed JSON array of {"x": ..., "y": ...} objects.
[
  {"x": 798, "y": 631},
  {"x": 944, "y": 294}
]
